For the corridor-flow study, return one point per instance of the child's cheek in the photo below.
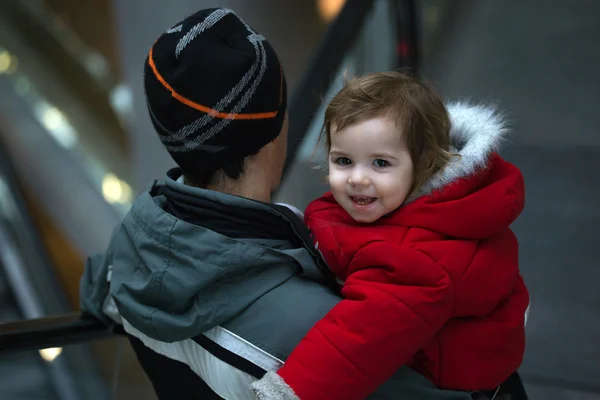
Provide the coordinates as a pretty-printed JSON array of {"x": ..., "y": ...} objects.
[{"x": 337, "y": 181}]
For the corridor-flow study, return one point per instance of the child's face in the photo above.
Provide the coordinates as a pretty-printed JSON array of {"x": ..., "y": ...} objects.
[{"x": 370, "y": 168}]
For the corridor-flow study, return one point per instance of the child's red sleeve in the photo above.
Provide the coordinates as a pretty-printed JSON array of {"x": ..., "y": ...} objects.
[{"x": 395, "y": 300}]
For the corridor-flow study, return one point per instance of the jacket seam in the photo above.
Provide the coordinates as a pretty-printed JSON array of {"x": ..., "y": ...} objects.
[
  {"x": 437, "y": 263},
  {"x": 159, "y": 279},
  {"x": 439, "y": 344},
  {"x": 138, "y": 221},
  {"x": 338, "y": 245},
  {"x": 138, "y": 225},
  {"x": 470, "y": 263}
]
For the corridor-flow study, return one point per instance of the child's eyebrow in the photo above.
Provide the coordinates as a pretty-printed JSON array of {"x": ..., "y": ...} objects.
[{"x": 383, "y": 155}]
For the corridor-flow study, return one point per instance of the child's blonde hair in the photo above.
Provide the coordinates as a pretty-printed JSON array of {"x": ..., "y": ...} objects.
[{"x": 418, "y": 111}]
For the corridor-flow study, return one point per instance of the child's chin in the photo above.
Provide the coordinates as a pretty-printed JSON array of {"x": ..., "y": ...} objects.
[{"x": 364, "y": 219}]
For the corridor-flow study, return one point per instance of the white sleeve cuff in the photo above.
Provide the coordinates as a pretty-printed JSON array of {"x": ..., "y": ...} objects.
[{"x": 273, "y": 387}]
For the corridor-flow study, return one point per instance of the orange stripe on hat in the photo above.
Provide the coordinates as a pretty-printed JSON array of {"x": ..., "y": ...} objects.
[{"x": 200, "y": 107}]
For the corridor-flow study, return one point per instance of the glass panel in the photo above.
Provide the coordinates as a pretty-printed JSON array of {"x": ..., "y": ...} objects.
[
  {"x": 70, "y": 89},
  {"x": 114, "y": 374}
]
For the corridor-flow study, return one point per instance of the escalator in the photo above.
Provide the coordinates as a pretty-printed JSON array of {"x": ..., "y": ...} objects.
[{"x": 29, "y": 288}]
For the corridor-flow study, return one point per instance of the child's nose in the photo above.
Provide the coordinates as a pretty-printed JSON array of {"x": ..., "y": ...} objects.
[{"x": 358, "y": 177}]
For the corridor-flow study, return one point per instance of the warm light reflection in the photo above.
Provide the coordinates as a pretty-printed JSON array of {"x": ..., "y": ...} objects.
[
  {"x": 329, "y": 9},
  {"x": 115, "y": 190},
  {"x": 57, "y": 125},
  {"x": 51, "y": 353},
  {"x": 6, "y": 61},
  {"x": 121, "y": 99},
  {"x": 53, "y": 118}
]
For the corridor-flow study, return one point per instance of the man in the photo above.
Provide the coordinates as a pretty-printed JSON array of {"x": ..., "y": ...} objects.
[{"x": 213, "y": 284}]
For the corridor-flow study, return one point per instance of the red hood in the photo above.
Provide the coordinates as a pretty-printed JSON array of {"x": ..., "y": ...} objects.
[{"x": 475, "y": 197}]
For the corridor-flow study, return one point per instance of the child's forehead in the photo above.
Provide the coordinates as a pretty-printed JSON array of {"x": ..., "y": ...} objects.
[
  {"x": 383, "y": 127},
  {"x": 371, "y": 134},
  {"x": 343, "y": 121}
]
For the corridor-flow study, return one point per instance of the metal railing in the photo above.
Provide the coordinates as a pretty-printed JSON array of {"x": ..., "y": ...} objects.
[{"x": 54, "y": 331}]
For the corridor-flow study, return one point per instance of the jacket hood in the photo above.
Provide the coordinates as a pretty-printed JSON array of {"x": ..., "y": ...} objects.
[
  {"x": 476, "y": 195},
  {"x": 174, "y": 280},
  {"x": 476, "y": 131}
]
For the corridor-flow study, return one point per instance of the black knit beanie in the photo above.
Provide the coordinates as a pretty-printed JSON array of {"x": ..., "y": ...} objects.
[{"x": 215, "y": 91}]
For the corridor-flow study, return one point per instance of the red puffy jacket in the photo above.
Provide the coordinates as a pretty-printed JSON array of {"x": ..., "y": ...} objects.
[{"x": 435, "y": 285}]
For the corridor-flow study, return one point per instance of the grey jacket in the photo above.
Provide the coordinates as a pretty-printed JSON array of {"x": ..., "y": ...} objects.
[{"x": 176, "y": 283}]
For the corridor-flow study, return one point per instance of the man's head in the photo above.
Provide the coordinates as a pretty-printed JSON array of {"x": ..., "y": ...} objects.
[
  {"x": 387, "y": 134},
  {"x": 216, "y": 94}
]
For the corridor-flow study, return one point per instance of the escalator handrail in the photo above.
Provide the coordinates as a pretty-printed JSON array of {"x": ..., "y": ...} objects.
[{"x": 53, "y": 331}]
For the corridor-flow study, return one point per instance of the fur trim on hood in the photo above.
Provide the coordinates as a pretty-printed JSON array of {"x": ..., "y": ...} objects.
[{"x": 476, "y": 131}]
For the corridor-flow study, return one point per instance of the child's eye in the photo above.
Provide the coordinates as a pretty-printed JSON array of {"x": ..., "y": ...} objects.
[
  {"x": 343, "y": 161},
  {"x": 379, "y": 163}
]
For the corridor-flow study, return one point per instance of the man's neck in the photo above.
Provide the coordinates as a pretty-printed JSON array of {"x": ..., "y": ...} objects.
[{"x": 244, "y": 188}]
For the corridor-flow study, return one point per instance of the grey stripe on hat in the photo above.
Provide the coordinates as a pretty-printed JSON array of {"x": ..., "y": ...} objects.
[
  {"x": 163, "y": 129},
  {"x": 179, "y": 141},
  {"x": 189, "y": 129},
  {"x": 208, "y": 22},
  {"x": 233, "y": 93},
  {"x": 261, "y": 61},
  {"x": 175, "y": 29},
  {"x": 256, "y": 41}
]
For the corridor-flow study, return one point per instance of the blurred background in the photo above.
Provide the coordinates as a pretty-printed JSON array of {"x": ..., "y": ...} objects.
[{"x": 76, "y": 145}]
